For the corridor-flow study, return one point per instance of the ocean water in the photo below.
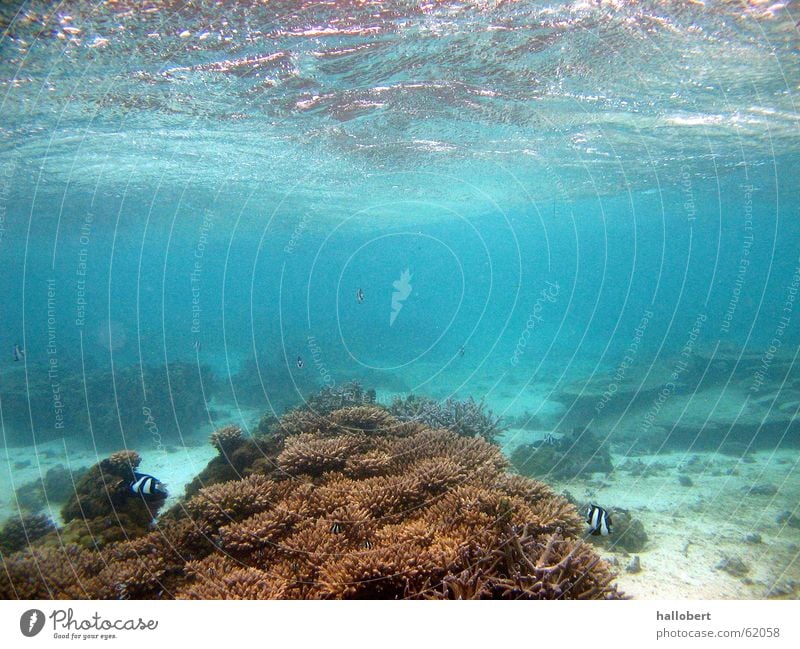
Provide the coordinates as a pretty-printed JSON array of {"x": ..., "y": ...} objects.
[{"x": 584, "y": 214}]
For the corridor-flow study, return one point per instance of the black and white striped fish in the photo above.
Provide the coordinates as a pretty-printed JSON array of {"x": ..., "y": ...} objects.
[
  {"x": 360, "y": 296},
  {"x": 550, "y": 440},
  {"x": 300, "y": 362},
  {"x": 599, "y": 521},
  {"x": 19, "y": 353},
  {"x": 367, "y": 544},
  {"x": 147, "y": 485},
  {"x": 336, "y": 528}
]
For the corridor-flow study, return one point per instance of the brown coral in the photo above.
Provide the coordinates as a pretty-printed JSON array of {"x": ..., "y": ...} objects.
[
  {"x": 226, "y": 439},
  {"x": 350, "y": 510},
  {"x": 103, "y": 508},
  {"x": 22, "y": 530}
]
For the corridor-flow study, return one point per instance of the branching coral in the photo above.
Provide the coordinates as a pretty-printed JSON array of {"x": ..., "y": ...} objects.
[
  {"x": 226, "y": 439},
  {"x": 238, "y": 457},
  {"x": 338, "y": 397},
  {"x": 469, "y": 418},
  {"x": 349, "y": 510}
]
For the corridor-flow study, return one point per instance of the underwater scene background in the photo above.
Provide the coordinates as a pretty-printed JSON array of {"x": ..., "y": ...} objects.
[{"x": 441, "y": 276}]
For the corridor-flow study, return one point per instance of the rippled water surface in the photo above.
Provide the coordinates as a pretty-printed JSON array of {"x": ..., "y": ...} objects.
[
  {"x": 467, "y": 104},
  {"x": 583, "y": 213}
]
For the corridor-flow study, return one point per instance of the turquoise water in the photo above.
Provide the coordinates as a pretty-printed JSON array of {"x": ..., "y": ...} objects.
[{"x": 596, "y": 203}]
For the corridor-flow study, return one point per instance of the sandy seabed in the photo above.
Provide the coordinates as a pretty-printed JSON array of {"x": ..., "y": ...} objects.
[{"x": 693, "y": 529}]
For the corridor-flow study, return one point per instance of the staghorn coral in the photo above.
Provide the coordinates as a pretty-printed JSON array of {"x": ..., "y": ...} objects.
[
  {"x": 469, "y": 418},
  {"x": 339, "y": 397},
  {"x": 351, "y": 511},
  {"x": 312, "y": 454},
  {"x": 349, "y": 420},
  {"x": 237, "y": 459},
  {"x": 226, "y": 439}
]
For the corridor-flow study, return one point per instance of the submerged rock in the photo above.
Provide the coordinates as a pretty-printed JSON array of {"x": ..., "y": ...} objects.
[
  {"x": 576, "y": 453},
  {"x": 785, "y": 590},
  {"x": 634, "y": 565},
  {"x": 763, "y": 489},
  {"x": 733, "y": 566},
  {"x": 627, "y": 533},
  {"x": 788, "y": 518}
]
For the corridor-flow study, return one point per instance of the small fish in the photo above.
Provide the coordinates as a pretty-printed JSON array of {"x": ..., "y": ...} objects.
[
  {"x": 550, "y": 440},
  {"x": 300, "y": 362},
  {"x": 197, "y": 346},
  {"x": 147, "y": 485},
  {"x": 336, "y": 528},
  {"x": 461, "y": 350},
  {"x": 19, "y": 353},
  {"x": 360, "y": 296},
  {"x": 367, "y": 544},
  {"x": 599, "y": 521}
]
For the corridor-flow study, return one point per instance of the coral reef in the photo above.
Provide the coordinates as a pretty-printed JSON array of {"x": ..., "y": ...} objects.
[
  {"x": 115, "y": 400},
  {"x": 56, "y": 487},
  {"x": 469, "y": 418},
  {"x": 576, "y": 453},
  {"x": 237, "y": 457},
  {"x": 337, "y": 397},
  {"x": 364, "y": 506},
  {"x": 20, "y": 531},
  {"x": 103, "y": 508},
  {"x": 227, "y": 439}
]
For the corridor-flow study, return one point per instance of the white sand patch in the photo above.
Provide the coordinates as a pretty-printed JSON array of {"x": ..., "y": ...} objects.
[{"x": 691, "y": 529}]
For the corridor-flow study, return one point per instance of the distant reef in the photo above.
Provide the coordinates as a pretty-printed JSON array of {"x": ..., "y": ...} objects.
[
  {"x": 722, "y": 399},
  {"x": 106, "y": 409},
  {"x": 326, "y": 502}
]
